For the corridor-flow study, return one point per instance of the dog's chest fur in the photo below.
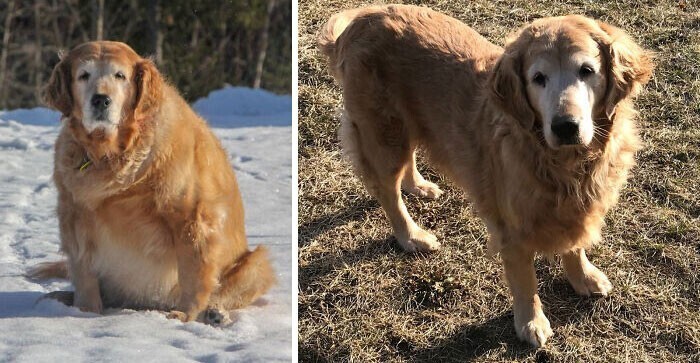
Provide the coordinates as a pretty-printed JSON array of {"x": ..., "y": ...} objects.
[
  {"x": 135, "y": 260},
  {"x": 575, "y": 193},
  {"x": 132, "y": 250}
]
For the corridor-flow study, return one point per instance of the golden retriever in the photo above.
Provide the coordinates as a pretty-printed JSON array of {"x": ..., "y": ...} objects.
[
  {"x": 149, "y": 211},
  {"x": 541, "y": 134}
]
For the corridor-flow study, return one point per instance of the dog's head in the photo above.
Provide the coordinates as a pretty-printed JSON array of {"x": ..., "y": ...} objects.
[
  {"x": 104, "y": 86},
  {"x": 567, "y": 75}
]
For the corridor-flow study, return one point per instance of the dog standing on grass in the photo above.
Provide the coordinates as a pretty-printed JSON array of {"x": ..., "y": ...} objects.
[
  {"x": 541, "y": 134},
  {"x": 149, "y": 212}
]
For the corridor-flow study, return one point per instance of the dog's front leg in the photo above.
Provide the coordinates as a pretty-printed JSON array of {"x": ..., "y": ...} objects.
[
  {"x": 531, "y": 324},
  {"x": 77, "y": 247},
  {"x": 87, "y": 286}
]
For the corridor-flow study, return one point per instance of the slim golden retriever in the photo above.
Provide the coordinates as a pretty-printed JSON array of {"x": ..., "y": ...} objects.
[
  {"x": 541, "y": 134},
  {"x": 149, "y": 211}
]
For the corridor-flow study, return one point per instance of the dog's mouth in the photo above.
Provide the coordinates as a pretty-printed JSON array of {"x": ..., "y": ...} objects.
[
  {"x": 576, "y": 135},
  {"x": 98, "y": 133},
  {"x": 97, "y": 116},
  {"x": 99, "y": 123},
  {"x": 569, "y": 144}
]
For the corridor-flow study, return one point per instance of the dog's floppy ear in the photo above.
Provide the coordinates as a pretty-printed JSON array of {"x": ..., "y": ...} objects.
[
  {"x": 149, "y": 87},
  {"x": 629, "y": 66},
  {"x": 508, "y": 85},
  {"x": 57, "y": 93}
]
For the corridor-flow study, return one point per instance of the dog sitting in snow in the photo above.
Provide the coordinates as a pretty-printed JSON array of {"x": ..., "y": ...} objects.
[{"x": 150, "y": 215}]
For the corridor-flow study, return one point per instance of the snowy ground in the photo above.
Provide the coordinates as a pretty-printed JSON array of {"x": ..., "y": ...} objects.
[{"x": 49, "y": 331}]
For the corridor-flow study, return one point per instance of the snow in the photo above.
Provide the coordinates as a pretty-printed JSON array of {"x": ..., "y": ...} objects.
[
  {"x": 249, "y": 107},
  {"x": 34, "y": 116},
  {"x": 46, "y": 330}
]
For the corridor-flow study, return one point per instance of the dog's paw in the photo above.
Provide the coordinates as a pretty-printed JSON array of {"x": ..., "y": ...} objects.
[
  {"x": 88, "y": 304},
  {"x": 215, "y": 317},
  {"x": 425, "y": 189},
  {"x": 592, "y": 282},
  {"x": 64, "y": 297},
  {"x": 536, "y": 331},
  {"x": 176, "y": 314},
  {"x": 420, "y": 240}
]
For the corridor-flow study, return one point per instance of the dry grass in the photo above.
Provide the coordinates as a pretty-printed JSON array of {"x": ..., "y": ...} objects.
[{"x": 362, "y": 299}]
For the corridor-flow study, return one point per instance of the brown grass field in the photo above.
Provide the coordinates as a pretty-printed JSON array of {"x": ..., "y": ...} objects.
[{"x": 361, "y": 299}]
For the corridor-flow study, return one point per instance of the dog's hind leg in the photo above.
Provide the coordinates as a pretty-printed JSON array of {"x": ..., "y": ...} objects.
[
  {"x": 245, "y": 282},
  {"x": 585, "y": 278},
  {"x": 380, "y": 154},
  {"x": 238, "y": 286},
  {"x": 414, "y": 183}
]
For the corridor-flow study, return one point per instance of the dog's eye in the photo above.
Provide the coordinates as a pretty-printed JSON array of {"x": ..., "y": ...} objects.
[
  {"x": 84, "y": 76},
  {"x": 120, "y": 75},
  {"x": 586, "y": 71},
  {"x": 540, "y": 79}
]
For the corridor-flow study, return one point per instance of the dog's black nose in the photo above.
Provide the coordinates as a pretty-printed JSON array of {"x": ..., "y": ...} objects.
[
  {"x": 100, "y": 102},
  {"x": 566, "y": 129}
]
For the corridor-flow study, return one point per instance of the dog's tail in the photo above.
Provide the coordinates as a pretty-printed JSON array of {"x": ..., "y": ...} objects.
[
  {"x": 251, "y": 277},
  {"x": 49, "y": 270},
  {"x": 330, "y": 32}
]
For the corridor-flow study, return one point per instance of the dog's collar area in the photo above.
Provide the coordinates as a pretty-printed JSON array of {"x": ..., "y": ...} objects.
[{"x": 85, "y": 163}]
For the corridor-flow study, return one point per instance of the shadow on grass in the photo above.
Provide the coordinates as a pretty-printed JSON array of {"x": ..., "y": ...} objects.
[
  {"x": 474, "y": 341},
  {"x": 311, "y": 355},
  {"x": 326, "y": 264},
  {"x": 358, "y": 211},
  {"x": 471, "y": 342}
]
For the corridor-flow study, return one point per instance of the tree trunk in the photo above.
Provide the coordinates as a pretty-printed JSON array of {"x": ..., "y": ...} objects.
[
  {"x": 76, "y": 22},
  {"x": 38, "y": 67},
  {"x": 195, "y": 34},
  {"x": 3, "y": 55},
  {"x": 132, "y": 22},
  {"x": 263, "y": 44},
  {"x": 237, "y": 61},
  {"x": 56, "y": 33},
  {"x": 98, "y": 18},
  {"x": 154, "y": 31}
]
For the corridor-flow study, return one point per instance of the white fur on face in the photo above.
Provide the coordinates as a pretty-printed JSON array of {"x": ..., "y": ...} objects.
[
  {"x": 566, "y": 92},
  {"x": 101, "y": 77}
]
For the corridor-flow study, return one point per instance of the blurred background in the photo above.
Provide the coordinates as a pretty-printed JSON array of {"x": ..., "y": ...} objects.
[{"x": 199, "y": 45}]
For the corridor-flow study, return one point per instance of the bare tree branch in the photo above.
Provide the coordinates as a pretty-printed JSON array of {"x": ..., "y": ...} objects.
[
  {"x": 3, "y": 55},
  {"x": 154, "y": 30},
  {"x": 263, "y": 44},
  {"x": 98, "y": 19},
  {"x": 38, "y": 66}
]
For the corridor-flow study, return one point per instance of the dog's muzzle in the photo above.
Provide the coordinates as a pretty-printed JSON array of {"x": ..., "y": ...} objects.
[
  {"x": 566, "y": 129},
  {"x": 100, "y": 102}
]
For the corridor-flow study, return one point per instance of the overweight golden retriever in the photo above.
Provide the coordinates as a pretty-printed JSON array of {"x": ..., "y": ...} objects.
[
  {"x": 149, "y": 211},
  {"x": 541, "y": 134}
]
